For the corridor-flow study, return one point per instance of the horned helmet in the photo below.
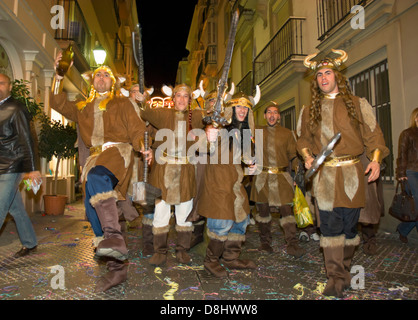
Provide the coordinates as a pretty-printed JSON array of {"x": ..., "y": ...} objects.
[
  {"x": 241, "y": 99},
  {"x": 326, "y": 63},
  {"x": 89, "y": 76},
  {"x": 209, "y": 96}
]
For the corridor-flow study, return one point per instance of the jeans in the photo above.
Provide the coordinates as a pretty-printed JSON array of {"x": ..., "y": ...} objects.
[
  {"x": 99, "y": 180},
  {"x": 404, "y": 228},
  {"x": 339, "y": 221},
  {"x": 223, "y": 227},
  {"x": 11, "y": 202}
]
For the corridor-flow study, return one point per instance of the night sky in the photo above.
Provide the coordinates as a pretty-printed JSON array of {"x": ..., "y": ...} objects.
[{"x": 165, "y": 27}]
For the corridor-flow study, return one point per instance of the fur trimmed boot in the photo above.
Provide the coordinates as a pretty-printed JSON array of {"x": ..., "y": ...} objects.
[
  {"x": 333, "y": 248},
  {"x": 214, "y": 251},
  {"x": 117, "y": 274},
  {"x": 288, "y": 223},
  {"x": 349, "y": 249},
  {"x": 184, "y": 237},
  {"x": 232, "y": 251},
  {"x": 113, "y": 245},
  {"x": 147, "y": 237},
  {"x": 369, "y": 239},
  {"x": 160, "y": 246},
  {"x": 264, "y": 225}
]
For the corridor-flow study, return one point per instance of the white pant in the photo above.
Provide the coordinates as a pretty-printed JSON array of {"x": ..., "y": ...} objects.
[{"x": 163, "y": 213}]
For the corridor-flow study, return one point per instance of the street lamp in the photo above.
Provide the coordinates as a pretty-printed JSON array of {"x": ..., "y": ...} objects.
[{"x": 99, "y": 54}]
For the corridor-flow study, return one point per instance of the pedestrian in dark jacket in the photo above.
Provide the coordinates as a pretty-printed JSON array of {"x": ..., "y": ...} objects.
[{"x": 16, "y": 158}]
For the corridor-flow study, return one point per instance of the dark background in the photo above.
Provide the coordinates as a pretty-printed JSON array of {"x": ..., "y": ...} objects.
[{"x": 165, "y": 27}]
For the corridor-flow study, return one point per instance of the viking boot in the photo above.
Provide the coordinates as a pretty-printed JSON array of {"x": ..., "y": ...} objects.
[
  {"x": 184, "y": 237},
  {"x": 160, "y": 246},
  {"x": 369, "y": 239},
  {"x": 349, "y": 248},
  {"x": 288, "y": 223},
  {"x": 197, "y": 235},
  {"x": 118, "y": 273},
  {"x": 113, "y": 245},
  {"x": 147, "y": 237},
  {"x": 264, "y": 224},
  {"x": 214, "y": 251},
  {"x": 333, "y": 248},
  {"x": 232, "y": 251}
]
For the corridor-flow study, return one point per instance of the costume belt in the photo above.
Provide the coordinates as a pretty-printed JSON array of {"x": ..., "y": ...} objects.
[
  {"x": 100, "y": 148},
  {"x": 342, "y": 161},
  {"x": 274, "y": 170},
  {"x": 174, "y": 159}
]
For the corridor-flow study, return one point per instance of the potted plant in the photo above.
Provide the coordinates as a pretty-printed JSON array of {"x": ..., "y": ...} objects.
[{"x": 57, "y": 140}]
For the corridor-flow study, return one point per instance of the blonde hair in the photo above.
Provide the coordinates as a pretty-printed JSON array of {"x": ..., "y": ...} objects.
[{"x": 414, "y": 115}]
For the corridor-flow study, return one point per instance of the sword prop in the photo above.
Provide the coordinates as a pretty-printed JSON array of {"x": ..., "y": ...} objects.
[
  {"x": 325, "y": 152},
  {"x": 216, "y": 118}
]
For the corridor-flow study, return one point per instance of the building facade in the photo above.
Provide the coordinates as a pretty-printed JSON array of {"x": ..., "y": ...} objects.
[
  {"x": 274, "y": 37},
  {"x": 32, "y": 34}
]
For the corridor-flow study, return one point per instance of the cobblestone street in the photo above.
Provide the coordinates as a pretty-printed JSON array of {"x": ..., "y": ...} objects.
[{"x": 66, "y": 241}]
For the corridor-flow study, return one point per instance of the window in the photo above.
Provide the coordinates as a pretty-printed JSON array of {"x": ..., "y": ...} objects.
[
  {"x": 288, "y": 118},
  {"x": 373, "y": 84}
]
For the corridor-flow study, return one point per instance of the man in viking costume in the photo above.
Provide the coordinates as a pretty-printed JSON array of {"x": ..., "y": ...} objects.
[
  {"x": 200, "y": 168},
  {"x": 273, "y": 186},
  {"x": 339, "y": 186},
  {"x": 109, "y": 128},
  {"x": 172, "y": 172},
  {"x": 224, "y": 201}
]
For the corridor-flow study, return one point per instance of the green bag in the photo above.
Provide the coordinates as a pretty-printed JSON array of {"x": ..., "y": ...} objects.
[{"x": 301, "y": 209}]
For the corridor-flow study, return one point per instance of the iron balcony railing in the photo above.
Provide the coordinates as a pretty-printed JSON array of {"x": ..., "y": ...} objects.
[
  {"x": 286, "y": 44},
  {"x": 246, "y": 84},
  {"x": 75, "y": 27},
  {"x": 331, "y": 12}
]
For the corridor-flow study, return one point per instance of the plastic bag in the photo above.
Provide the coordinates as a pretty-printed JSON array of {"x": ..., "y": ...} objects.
[
  {"x": 32, "y": 185},
  {"x": 303, "y": 215}
]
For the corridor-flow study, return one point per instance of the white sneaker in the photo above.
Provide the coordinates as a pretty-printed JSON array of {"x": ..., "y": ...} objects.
[
  {"x": 315, "y": 237},
  {"x": 303, "y": 236}
]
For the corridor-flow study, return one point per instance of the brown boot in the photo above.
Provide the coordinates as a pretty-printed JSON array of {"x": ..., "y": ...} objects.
[
  {"x": 349, "y": 248},
  {"x": 147, "y": 237},
  {"x": 264, "y": 225},
  {"x": 113, "y": 245},
  {"x": 333, "y": 248},
  {"x": 214, "y": 251},
  {"x": 184, "y": 237},
  {"x": 232, "y": 251},
  {"x": 369, "y": 239},
  {"x": 118, "y": 273},
  {"x": 197, "y": 235},
  {"x": 288, "y": 223},
  {"x": 160, "y": 246}
]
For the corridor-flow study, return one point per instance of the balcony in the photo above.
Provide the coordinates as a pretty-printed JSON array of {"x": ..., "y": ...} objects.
[
  {"x": 119, "y": 58},
  {"x": 76, "y": 31},
  {"x": 332, "y": 13},
  {"x": 246, "y": 84},
  {"x": 286, "y": 45}
]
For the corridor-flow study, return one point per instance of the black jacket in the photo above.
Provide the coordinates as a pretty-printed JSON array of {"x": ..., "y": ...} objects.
[{"x": 16, "y": 143}]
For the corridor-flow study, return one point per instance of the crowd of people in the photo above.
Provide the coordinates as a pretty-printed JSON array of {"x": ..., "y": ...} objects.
[{"x": 214, "y": 192}]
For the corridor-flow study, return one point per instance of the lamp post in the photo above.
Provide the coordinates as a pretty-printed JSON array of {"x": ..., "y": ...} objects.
[{"x": 99, "y": 55}]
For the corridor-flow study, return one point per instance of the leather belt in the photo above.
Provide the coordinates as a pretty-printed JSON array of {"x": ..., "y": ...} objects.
[
  {"x": 100, "y": 148},
  {"x": 342, "y": 161},
  {"x": 274, "y": 170},
  {"x": 171, "y": 159}
]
